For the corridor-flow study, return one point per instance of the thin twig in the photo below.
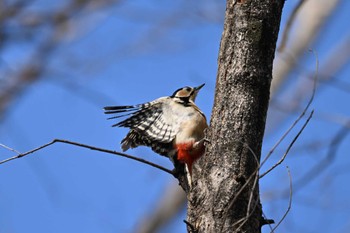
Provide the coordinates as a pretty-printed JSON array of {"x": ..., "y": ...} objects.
[
  {"x": 244, "y": 219},
  {"x": 252, "y": 193},
  {"x": 91, "y": 148},
  {"x": 9, "y": 148},
  {"x": 289, "y": 147},
  {"x": 249, "y": 213},
  {"x": 245, "y": 184},
  {"x": 277, "y": 164},
  {"x": 300, "y": 116},
  {"x": 255, "y": 173},
  {"x": 285, "y": 134},
  {"x": 289, "y": 203}
]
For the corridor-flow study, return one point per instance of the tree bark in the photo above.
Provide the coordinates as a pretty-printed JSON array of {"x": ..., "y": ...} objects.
[{"x": 224, "y": 196}]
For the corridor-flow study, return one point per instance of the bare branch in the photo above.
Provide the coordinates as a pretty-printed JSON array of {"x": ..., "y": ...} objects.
[
  {"x": 246, "y": 218},
  {"x": 289, "y": 147},
  {"x": 289, "y": 203},
  {"x": 335, "y": 61},
  {"x": 250, "y": 211},
  {"x": 286, "y": 133},
  {"x": 294, "y": 123},
  {"x": 88, "y": 147},
  {"x": 255, "y": 174},
  {"x": 9, "y": 148}
]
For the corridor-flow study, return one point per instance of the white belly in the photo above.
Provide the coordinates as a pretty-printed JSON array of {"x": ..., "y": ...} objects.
[{"x": 192, "y": 127}]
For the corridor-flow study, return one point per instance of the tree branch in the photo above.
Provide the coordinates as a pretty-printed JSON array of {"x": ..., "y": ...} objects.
[
  {"x": 295, "y": 122},
  {"x": 290, "y": 146},
  {"x": 20, "y": 155},
  {"x": 289, "y": 203}
]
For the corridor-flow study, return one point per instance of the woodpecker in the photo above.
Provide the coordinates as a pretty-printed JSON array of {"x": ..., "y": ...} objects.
[{"x": 172, "y": 126}]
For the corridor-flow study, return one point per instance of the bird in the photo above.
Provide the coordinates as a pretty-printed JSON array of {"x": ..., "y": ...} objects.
[{"x": 172, "y": 126}]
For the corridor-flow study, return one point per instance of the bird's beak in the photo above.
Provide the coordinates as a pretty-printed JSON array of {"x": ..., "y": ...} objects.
[{"x": 196, "y": 89}]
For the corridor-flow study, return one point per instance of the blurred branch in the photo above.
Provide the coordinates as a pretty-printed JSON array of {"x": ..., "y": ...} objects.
[
  {"x": 336, "y": 60},
  {"x": 288, "y": 26},
  {"x": 169, "y": 204},
  {"x": 92, "y": 95},
  {"x": 326, "y": 72},
  {"x": 325, "y": 162},
  {"x": 8, "y": 12},
  {"x": 85, "y": 146},
  {"x": 311, "y": 17},
  {"x": 338, "y": 119},
  {"x": 340, "y": 85},
  {"x": 61, "y": 24}
]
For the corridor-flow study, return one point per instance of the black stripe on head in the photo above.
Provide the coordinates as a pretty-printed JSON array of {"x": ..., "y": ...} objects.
[
  {"x": 188, "y": 89},
  {"x": 174, "y": 94}
]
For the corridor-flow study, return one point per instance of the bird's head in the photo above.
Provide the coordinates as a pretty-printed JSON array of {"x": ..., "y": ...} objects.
[{"x": 189, "y": 93}]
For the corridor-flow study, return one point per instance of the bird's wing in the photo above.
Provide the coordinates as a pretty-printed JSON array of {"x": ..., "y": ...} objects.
[{"x": 152, "y": 124}]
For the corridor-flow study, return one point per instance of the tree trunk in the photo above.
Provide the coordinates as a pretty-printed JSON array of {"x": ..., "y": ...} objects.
[{"x": 225, "y": 193}]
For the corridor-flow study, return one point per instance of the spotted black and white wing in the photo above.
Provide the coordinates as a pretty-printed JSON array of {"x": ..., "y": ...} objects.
[{"x": 151, "y": 124}]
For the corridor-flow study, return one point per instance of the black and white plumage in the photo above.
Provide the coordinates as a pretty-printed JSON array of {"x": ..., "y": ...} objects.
[{"x": 161, "y": 123}]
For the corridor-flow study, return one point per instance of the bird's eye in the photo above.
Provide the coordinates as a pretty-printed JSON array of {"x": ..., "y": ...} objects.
[{"x": 188, "y": 89}]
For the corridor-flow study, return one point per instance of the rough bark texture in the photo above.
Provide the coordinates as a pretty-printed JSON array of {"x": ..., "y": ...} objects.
[{"x": 225, "y": 193}]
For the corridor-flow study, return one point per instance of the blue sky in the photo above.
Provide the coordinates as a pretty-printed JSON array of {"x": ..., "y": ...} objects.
[{"x": 131, "y": 56}]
